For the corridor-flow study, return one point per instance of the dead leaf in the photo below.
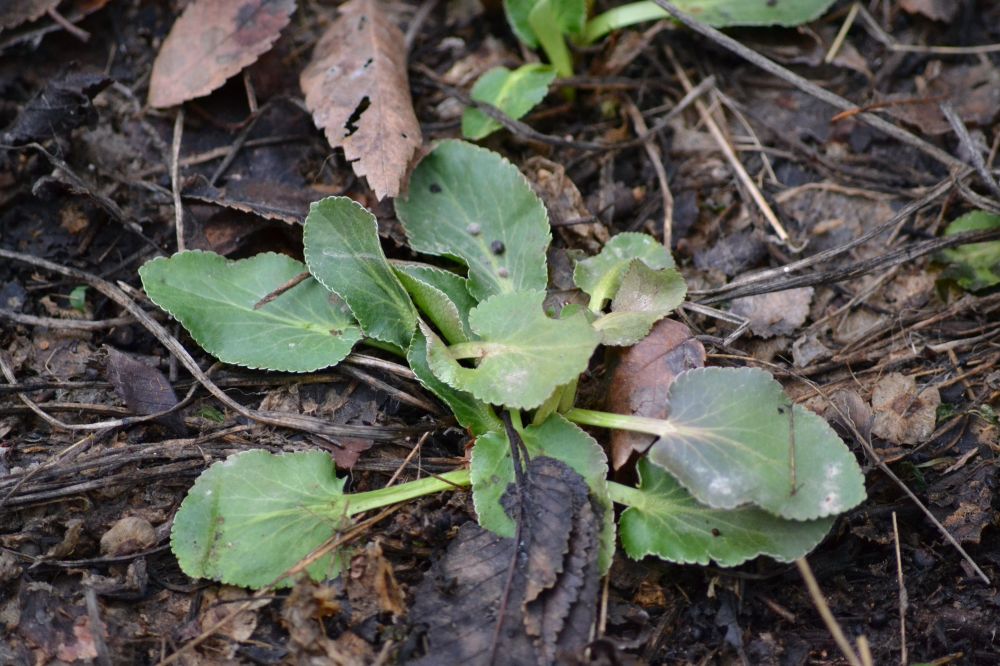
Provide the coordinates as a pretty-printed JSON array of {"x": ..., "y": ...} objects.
[
  {"x": 973, "y": 91},
  {"x": 641, "y": 378},
  {"x": 271, "y": 200},
  {"x": 128, "y": 535},
  {"x": 358, "y": 92},
  {"x": 904, "y": 414},
  {"x": 211, "y": 41},
  {"x": 551, "y": 598},
  {"x": 938, "y": 10},
  {"x": 216, "y": 604},
  {"x": 15, "y": 12},
  {"x": 64, "y": 104},
  {"x": 143, "y": 388},
  {"x": 775, "y": 313},
  {"x": 371, "y": 585},
  {"x": 565, "y": 203}
]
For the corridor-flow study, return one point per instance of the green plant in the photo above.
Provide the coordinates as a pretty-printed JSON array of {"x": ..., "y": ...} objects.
[
  {"x": 736, "y": 471},
  {"x": 548, "y": 24}
]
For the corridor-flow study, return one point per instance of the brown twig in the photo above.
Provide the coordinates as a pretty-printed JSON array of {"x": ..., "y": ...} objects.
[{"x": 175, "y": 178}]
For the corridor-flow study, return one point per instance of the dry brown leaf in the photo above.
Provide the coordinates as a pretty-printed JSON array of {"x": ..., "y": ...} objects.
[
  {"x": 211, "y": 41},
  {"x": 904, "y": 414},
  {"x": 939, "y": 10},
  {"x": 642, "y": 377},
  {"x": 358, "y": 92},
  {"x": 775, "y": 313}
]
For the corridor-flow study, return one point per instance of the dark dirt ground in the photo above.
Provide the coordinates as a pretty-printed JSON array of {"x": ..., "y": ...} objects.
[{"x": 98, "y": 198}]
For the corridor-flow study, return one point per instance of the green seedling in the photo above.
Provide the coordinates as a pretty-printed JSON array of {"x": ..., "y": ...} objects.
[
  {"x": 548, "y": 24},
  {"x": 736, "y": 471}
]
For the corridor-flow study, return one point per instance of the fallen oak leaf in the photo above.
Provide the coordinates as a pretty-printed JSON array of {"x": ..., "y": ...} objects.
[
  {"x": 357, "y": 89},
  {"x": 211, "y": 41}
]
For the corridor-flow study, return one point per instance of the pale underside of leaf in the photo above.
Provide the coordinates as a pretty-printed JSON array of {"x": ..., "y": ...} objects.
[
  {"x": 729, "y": 442},
  {"x": 438, "y": 297},
  {"x": 470, "y": 204},
  {"x": 671, "y": 524},
  {"x": 522, "y": 354},
  {"x": 250, "y": 518},
  {"x": 343, "y": 252},
  {"x": 492, "y": 471},
  {"x": 359, "y": 65},
  {"x": 212, "y": 41},
  {"x": 302, "y": 330},
  {"x": 601, "y": 275}
]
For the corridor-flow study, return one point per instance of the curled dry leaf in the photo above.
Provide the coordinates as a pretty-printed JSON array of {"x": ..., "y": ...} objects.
[
  {"x": 358, "y": 92},
  {"x": 131, "y": 534},
  {"x": 641, "y": 378},
  {"x": 211, "y": 41},
  {"x": 904, "y": 414}
]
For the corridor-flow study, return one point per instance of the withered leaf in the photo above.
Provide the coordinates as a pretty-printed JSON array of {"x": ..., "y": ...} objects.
[
  {"x": 641, "y": 378},
  {"x": 270, "y": 200},
  {"x": 358, "y": 92},
  {"x": 62, "y": 105},
  {"x": 143, "y": 388},
  {"x": 775, "y": 313},
  {"x": 211, "y": 41},
  {"x": 904, "y": 413},
  {"x": 15, "y": 12},
  {"x": 550, "y": 603}
]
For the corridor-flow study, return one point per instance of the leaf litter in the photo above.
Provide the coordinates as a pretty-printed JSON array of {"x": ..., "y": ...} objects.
[{"x": 956, "y": 462}]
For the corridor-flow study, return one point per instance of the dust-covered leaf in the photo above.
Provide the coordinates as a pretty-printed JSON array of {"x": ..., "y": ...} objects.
[
  {"x": 301, "y": 330},
  {"x": 440, "y": 295},
  {"x": 513, "y": 92},
  {"x": 641, "y": 378},
  {"x": 775, "y": 313},
  {"x": 492, "y": 471},
  {"x": 143, "y": 388},
  {"x": 600, "y": 276},
  {"x": 211, "y": 41},
  {"x": 356, "y": 87},
  {"x": 522, "y": 354},
  {"x": 977, "y": 265},
  {"x": 474, "y": 414},
  {"x": 470, "y": 204},
  {"x": 645, "y": 296},
  {"x": 253, "y": 516},
  {"x": 546, "y": 608},
  {"x": 664, "y": 520},
  {"x": 343, "y": 252},
  {"x": 734, "y": 438}
]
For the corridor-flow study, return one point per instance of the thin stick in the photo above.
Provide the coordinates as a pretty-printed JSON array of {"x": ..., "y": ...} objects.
[
  {"x": 824, "y": 612},
  {"x": 975, "y": 154},
  {"x": 903, "y": 597},
  {"x": 838, "y": 41},
  {"x": 175, "y": 153},
  {"x": 68, "y": 26},
  {"x": 730, "y": 154},
  {"x": 809, "y": 87},
  {"x": 295, "y": 281},
  {"x": 653, "y": 153}
]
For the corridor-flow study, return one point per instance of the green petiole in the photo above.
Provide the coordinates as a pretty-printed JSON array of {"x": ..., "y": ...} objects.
[
  {"x": 375, "y": 499},
  {"x": 657, "y": 427}
]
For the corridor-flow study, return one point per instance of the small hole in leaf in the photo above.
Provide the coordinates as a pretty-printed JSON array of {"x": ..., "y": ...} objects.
[
  {"x": 352, "y": 123},
  {"x": 434, "y": 188}
]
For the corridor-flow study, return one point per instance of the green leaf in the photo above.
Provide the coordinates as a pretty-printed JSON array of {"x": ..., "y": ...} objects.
[
  {"x": 601, "y": 275},
  {"x": 513, "y": 92},
  {"x": 491, "y": 472},
  {"x": 728, "y": 441},
  {"x": 523, "y": 355},
  {"x": 977, "y": 265},
  {"x": 473, "y": 414},
  {"x": 343, "y": 252},
  {"x": 78, "y": 298},
  {"x": 302, "y": 330},
  {"x": 664, "y": 520},
  {"x": 645, "y": 296},
  {"x": 253, "y": 516},
  {"x": 470, "y": 204},
  {"x": 717, "y": 13},
  {"x": 517, "y": 12},
  {"x": 439, "y": 294}
]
